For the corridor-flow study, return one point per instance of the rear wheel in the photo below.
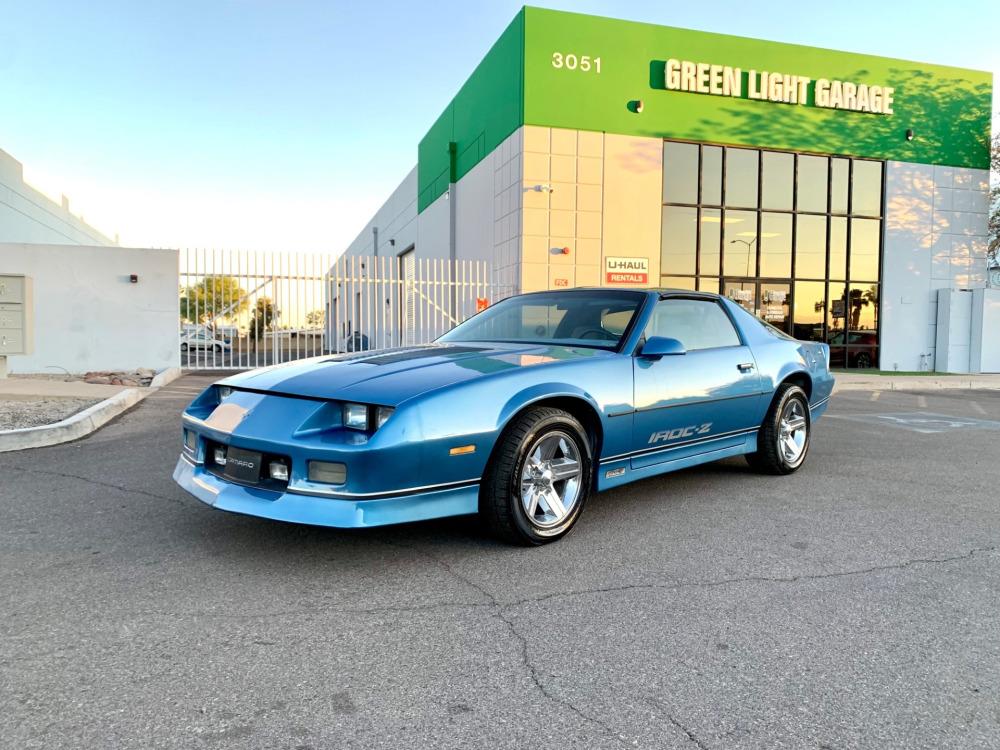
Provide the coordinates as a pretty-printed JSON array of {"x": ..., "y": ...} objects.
[
  {"x": 783, "y": 439},
  {"x": 539, "y": 478}
]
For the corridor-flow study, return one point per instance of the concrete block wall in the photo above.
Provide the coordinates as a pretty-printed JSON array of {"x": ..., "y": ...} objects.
[
  {"x": 26, "y": 215},
  {"x": 935, "y": 238}
]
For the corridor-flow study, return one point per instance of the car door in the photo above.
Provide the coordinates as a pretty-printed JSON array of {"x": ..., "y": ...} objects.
[{"x": 704, "y": 400}]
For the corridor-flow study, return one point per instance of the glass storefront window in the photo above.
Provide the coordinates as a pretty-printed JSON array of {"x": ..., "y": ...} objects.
[
  {"x": 678, "y": 240},
  {"x": 711, "y": 240},
  {"x": 812, "y": 184},
  {"x": 709, "y": 284},
  {"x": 794, "y": 238},
  {"x": 711, "y": 175},
  {"x": 839, "y": 179},
  {"x": 686, "y": 283},
  {"x": 741, "y": 177},
  {"x": 775, "y": 245},
  {"x": 810, "y": 246},
  {"x": 740, "y": 242},
  {"x": 864, "y": 249},
  {"x": 866, "y": 188},
  {"x": 680, "y": 172},
  {"x": 838, "y": 247},
  {"x": 810, "y": 305},
  {"x": 777, "y": 180}
]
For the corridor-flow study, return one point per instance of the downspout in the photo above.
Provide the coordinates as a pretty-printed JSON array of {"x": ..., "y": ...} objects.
[{"x": 452, "y": 244}]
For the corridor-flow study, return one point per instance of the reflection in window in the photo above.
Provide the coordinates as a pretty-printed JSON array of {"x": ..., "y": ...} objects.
[
  {"x": 711, "y": 175},
  {"x": 810, "y": 305},
  {"x": 776, "y": 245},
  {"x": 866, "y": 188},
  {"x": 740, "y": 242},
  {"x": 678, "y": 282},
  {"x": 774, "y": 303},
  {"x": 838, "y": 247},
  {"x": 678, "y": 240},
  {"x": 810, "y": 247},
  {"x": 839, "y": 176},
  {"x": 680, "y": 172},
  {"x": 836, "y": 314},
  {"x": 864, "y": 308},
  {"x": 709, "y": 284},
  {"x": 741, "y": 177},
  {"x": 711, "y": 236},
  {"x": 864, "y": 249},
  {"x": 777, "y": 179},
  {"x": 812, "y": 184}
]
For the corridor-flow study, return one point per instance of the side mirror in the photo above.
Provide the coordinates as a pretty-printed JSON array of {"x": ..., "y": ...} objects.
[{"x": 661, "y": 346}]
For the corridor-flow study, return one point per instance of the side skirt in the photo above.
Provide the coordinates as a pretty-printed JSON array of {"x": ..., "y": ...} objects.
[{"x": 619, "y": 471}]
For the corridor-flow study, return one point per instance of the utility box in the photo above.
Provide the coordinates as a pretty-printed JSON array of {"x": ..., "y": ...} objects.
[{"x": 16, "y": 316}]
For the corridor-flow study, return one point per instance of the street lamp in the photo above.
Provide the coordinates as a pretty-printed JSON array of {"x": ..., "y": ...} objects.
[{"x": 749, "y": 244}]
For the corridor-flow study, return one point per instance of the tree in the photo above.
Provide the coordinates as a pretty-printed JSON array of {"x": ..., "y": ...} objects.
[
  {"x": 993, "y": 235},
  {"x": 213, "y": 297},
  {"x": 315, "y": 319},
  {"x": 262, "y": 318}
]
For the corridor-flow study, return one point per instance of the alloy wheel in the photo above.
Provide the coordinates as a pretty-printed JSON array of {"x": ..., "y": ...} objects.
[{"x": 551, "y": 479}]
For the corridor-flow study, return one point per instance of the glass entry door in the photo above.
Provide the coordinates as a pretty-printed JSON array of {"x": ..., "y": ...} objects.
[{"x": 767, "y": 300}]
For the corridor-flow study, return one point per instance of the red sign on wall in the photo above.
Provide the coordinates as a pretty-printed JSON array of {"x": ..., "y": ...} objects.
[
  {"x": 626, "y": 270},
  {"x": 482, "y": 303}
]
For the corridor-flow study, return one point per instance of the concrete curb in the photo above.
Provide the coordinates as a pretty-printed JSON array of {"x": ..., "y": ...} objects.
[
  {"x": 917, "y": 384},
  {"x": 163, "y": 377},
  {"x": 72, "y": 428}
]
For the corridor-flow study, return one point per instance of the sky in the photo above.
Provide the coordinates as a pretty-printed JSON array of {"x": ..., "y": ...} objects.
[{"x": 284, "y": 124}]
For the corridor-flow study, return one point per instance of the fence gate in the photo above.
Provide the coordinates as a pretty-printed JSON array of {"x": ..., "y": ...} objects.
[{"x": 245, "y": 309}]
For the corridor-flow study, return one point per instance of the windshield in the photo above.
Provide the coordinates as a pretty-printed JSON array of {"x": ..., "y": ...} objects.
[{"x": 596, "y": 319}]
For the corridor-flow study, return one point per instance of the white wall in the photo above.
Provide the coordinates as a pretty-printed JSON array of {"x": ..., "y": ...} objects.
[
  {"x": 935, "y": 238},
  {"x": 396, "y": 221},
  {"x": 26, "y": 215},
  {"x": 89, "y": 316},
  {"x": 984, "y": 351}
]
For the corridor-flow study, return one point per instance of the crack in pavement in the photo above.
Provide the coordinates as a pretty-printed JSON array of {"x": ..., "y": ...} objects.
[
  {"x": 670, "y": 717},
  {"x": 753, "y": 579},
  {"x": 533, "y": 672},
  {"x": 96, "y": 483}
]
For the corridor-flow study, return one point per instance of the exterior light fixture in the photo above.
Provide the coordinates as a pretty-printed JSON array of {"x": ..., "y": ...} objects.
[
  {"x": 909, "y": 134},
  {"x": 635, "y": 106}
]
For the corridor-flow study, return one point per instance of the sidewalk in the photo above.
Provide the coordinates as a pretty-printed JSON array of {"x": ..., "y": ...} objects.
[
  {"x": 929, "y": 382},
  {"x": 27, "y": 389}
]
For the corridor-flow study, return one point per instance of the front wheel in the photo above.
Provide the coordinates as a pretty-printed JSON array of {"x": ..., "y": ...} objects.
[
  {"x": 783, "y": 439},
  {"x": 538, "y": 479}
]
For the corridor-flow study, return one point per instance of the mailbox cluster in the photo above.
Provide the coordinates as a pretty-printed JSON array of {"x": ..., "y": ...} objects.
[{"x": 15, "y": 315}]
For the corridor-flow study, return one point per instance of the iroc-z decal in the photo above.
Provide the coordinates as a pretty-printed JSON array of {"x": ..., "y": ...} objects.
[{"x": 680, "y": 432}]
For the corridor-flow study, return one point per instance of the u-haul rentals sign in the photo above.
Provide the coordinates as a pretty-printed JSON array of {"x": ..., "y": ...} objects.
[{"x": 626, "y": 270}]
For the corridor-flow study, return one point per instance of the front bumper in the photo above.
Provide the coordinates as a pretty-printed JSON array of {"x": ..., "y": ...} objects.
[{"x": 323, "y": 511}]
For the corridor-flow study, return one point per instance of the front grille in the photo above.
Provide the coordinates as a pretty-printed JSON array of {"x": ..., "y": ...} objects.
[{"x": 264, "y": 481}]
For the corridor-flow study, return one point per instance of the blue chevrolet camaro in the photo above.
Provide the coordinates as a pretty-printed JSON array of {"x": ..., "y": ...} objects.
[{"x": 517, "y": 414}]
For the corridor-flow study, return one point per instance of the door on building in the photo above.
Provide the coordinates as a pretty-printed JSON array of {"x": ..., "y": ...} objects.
[
  {"x": 768, "y": 300},
  {"x": 704, "y": 400}
]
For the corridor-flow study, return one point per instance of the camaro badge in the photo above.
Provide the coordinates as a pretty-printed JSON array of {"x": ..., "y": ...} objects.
[{"x": 680, "y": 432}]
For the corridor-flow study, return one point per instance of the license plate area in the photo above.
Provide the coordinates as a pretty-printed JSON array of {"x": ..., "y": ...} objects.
[{"x": 243, "y": 465}]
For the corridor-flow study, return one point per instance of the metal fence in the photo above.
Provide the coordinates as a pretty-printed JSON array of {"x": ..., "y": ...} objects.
[{"x": 245, "y": 309}]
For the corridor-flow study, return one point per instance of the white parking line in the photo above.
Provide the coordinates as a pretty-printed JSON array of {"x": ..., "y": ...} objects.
[{"x": 977, "y": 408}]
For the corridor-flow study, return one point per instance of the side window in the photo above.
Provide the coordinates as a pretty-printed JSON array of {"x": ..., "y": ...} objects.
[{"x": 698, "y": 324}]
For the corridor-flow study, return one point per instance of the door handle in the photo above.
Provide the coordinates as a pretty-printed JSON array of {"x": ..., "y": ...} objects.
[{"x": 744, "y": 366}]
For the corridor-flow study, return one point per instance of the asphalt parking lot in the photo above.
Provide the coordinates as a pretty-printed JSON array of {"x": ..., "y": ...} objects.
[{"x": 855, "y": 604}]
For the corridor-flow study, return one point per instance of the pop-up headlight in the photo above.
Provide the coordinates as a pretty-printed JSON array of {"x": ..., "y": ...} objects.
[{"x": 356, "y": 416}]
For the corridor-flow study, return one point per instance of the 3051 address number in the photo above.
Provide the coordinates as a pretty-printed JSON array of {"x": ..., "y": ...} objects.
[{"x": 571, "y": 61}]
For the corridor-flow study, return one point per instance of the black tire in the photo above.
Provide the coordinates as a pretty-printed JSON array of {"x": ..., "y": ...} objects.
[
  {"x": 500, "y": 505},
  {"x": 217, "y": 348},
  {"x": 184, "y": 347},
  {"x": 769, "y": 458},
  {"x": 863, "y": 361}
]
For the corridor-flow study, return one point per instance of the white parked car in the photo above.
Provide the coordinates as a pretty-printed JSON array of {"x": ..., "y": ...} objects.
[{"x": 203, "y": 340}]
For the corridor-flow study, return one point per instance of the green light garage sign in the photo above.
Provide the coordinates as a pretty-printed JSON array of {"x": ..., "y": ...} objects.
[
  {"x": 772, "y": 86},
  {"x": 833, "y": 102}
]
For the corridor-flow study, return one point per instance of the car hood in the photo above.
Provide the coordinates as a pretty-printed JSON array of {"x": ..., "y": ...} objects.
[{"x": 391, "y": 376}]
